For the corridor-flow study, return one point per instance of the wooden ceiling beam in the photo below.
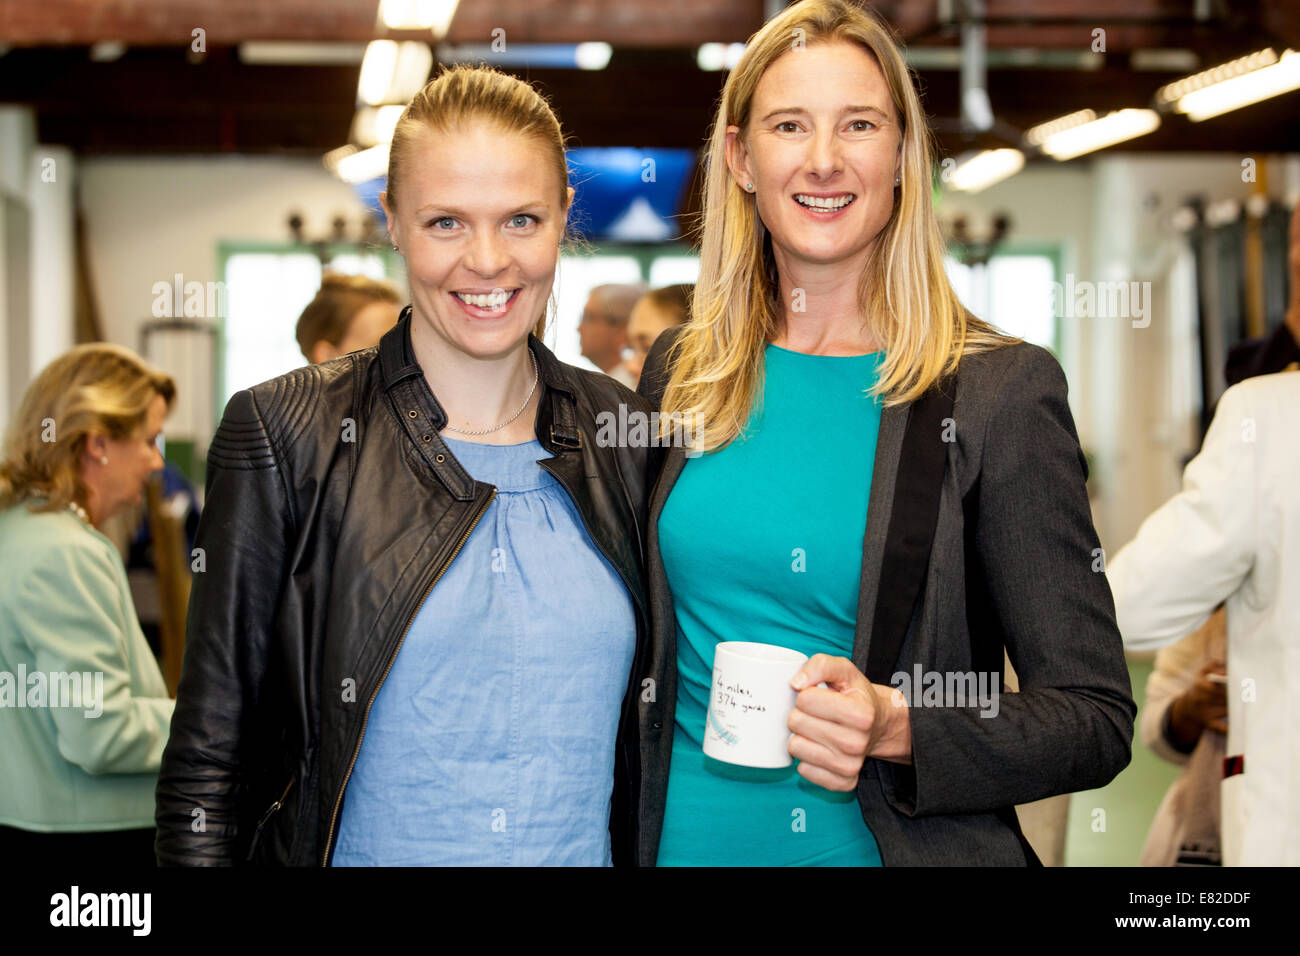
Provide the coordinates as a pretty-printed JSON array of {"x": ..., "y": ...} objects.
[{"x": 642, "y": 23}]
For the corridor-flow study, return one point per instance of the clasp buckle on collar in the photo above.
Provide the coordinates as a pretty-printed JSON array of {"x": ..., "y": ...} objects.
[{"x": 566, "y": 437}]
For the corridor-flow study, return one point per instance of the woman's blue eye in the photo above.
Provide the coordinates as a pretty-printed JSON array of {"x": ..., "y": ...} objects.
[
  {"x": 528, "y": 220},
  {"x": 439, "y": 222}
]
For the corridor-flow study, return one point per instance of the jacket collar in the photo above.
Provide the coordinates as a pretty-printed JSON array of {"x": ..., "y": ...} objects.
[
  {"x": 420, "y": 414},
  {"x": 397, "y": 358}
]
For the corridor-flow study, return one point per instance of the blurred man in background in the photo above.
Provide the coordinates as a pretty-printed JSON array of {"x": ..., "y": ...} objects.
[{"x": 603, "y": 329}]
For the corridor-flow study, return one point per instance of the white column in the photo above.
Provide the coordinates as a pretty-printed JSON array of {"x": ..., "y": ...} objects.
[
  {"x": 17, "y": 137},
  {"x": 17, "y": 134},
  {"x": 52, "y": 197}
]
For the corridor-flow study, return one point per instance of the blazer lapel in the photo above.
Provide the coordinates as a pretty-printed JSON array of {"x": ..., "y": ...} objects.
[
  {"x": 880, "y": 508},
  {"x": 913, "y": 456},
  {"x": 673, "y": 464}
]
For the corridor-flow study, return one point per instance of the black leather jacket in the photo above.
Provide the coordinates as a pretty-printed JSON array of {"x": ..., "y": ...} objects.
[{"x": 333, "y": 507}]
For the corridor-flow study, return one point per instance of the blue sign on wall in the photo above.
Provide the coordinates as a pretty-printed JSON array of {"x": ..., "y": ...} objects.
[
  {"x": 629, "y": 195},
  {"x": 620, "y": 193}
]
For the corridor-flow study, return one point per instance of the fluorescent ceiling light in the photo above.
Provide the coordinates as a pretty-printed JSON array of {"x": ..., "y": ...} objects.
[
  {"x": 592, "y": 56},
  {"x": 1233, "y": 85},
  {"x": 435, "y": 15},
  {"x": 981, "y": 170},
  {"x": 107, "y": 52},
  {"x": 719, "y": 56},
  {"x": 1014, "y": 58},
  {"x": 1082, "y": 132},
  {"x": 266, "y": 53},
  {"x": 363, "y": 166},
  {"x": 1163, "y": 60},
  {"x": 377, "y": 71},
  {"x": 393, "y": 72},
  {"x": 545, "y": 56},
  {"x": 375, "y": 124},
  {"x": 332, "y": 159}
]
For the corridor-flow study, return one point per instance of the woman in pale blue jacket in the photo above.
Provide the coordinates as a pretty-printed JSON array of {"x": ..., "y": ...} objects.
[{"x": 84, "y": 711}]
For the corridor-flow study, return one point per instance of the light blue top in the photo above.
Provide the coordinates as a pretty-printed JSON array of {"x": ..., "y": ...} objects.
[
  {"x": 762, "y": 541},
  {"x": 84, "y": 711},
  {"x": 491, "y": 741}
]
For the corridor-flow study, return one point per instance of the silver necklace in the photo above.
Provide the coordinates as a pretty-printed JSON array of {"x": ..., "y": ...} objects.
[{"x": 497, "y": 428}]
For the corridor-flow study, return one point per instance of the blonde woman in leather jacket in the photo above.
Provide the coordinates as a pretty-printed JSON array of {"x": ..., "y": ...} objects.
[{"x": 413, "y": 639}]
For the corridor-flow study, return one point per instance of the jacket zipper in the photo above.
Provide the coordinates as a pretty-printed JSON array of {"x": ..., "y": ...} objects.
[
  {"x": 329, "y": 837},
  {"x": 270, "y": 812}
]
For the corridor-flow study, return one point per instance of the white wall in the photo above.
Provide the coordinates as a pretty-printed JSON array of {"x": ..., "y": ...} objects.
[
  {"x": 1147, "y": 422},
  {"x": 37, "y": 254},
  {"x": 1046, "y": 204},
  {"x": 17, "y": 139},
  {"x": 52, "y": 193},
  {"x": 1134, "y": 390},
  {"x": 151, "y": 218}
]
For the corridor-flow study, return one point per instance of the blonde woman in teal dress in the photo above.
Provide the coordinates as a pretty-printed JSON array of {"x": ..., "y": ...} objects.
[{"x": 823, "y": 331}]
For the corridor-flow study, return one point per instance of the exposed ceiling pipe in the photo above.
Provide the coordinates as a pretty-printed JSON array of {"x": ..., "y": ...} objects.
[{"x": 976, "y": 111}]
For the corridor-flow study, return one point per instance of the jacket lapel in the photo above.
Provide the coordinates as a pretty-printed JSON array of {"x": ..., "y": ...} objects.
[
  {"x": 674, "y": 461},
  {"x": 880, "y": 508},
  {"x": 613, "y": 528},
  {"x": 911, "y": 457}
]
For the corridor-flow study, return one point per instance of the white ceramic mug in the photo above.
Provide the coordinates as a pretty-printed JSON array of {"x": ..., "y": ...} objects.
[{"x": 750, "y": 702}]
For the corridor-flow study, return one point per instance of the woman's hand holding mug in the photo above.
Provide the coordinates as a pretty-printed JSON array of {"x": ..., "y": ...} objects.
[{"x": 838, "y": 726}]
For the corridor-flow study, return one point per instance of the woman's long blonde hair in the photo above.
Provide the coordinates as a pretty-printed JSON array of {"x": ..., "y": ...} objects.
[
  {"x": 463, "y": 93},
  {"x": 92, "y": 389},
  {"x": 906, "y": 299}
]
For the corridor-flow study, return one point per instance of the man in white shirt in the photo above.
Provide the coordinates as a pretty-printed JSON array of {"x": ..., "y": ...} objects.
[{"x": 1233, "y": 534}]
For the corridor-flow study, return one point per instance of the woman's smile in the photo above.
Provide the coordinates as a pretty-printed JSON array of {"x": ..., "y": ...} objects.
[
  {"x": 493, "y": 304},
  {"x": 824, "y": 206}
]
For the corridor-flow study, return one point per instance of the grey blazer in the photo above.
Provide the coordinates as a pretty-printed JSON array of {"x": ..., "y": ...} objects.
[{"x": 1015, "y": 561}]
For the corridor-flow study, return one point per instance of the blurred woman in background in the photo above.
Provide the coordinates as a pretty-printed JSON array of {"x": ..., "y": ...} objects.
[
  {"x": 347, "y": 313},
  {"x": 656, "y": 312},
  {"x": 84, "y": 711},
  {"x": 602, "y": 328}
]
